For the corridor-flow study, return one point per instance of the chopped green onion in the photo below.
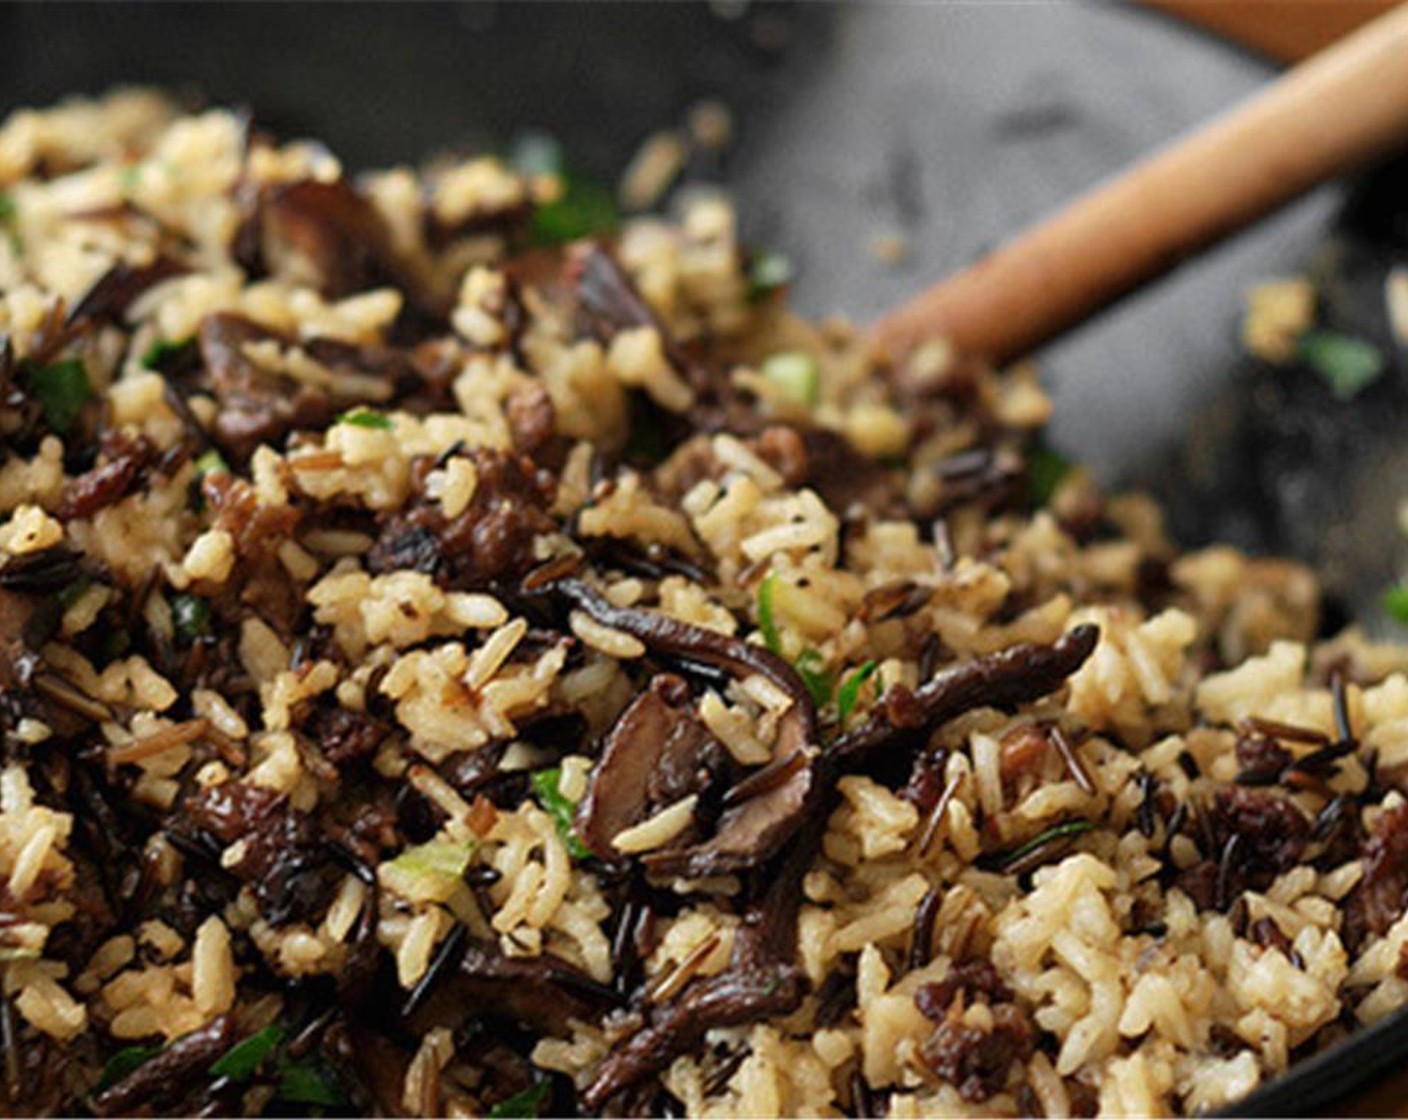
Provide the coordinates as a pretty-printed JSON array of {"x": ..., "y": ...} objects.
[
  {"x": 131, "y": 176},
  {"x": 849, "y": 691},
  {"x": 794, "y": 374},
  {"x": 1345, "y": 363},
  {"x": 767, "y": 622},
  {"x": 767, "y": 272},
  {"x": 521, "y": 1106},
  {"x": 547, "y": 789},
  {"x": 162, "y": 351},
  {"x": 438, "y": 857},
  {"x": 536, "y": 154},
  {"x": 1067, "y": 828},
  {"x": 305, "y": 1083},
  {"x": 124, "y": 1062},
  {"x": 62, "y": 389},
  {"x": 811, "y": 667},
  {"x": 211, "y": 462},
  {"x": 1395, "y": 603},
  {"x": 190, "y": 616},
  {"x": 430, "y": 872},
  {"x": 585, "y": 209},
  {"x": 241, "y": 1060},
  {"x": 364, "y": 417},
  {"x": 1047, "y": 468},
  {"x": 18, "y": 954}
]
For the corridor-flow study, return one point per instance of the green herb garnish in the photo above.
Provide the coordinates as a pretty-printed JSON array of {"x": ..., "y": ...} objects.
[
  {"x": 811, "y": 667},
  {"x": 124, "y": 1062},
  {"x": 536, "y": 154},
  {"x": 794, "y": 374},
  {"x": 767, "y": 623},
  {"x": 1345, "y": 363},
  {"x": 521, "y": 1106},
  {"x": 767, "y": 272},
  {"x": 8, "y": 213},
  {"x": 1047, "y": 468},
  {"x": 160, "y": 352},
  {"x": 1395, "y": 603},
  {"x": 849, "y": 691},
  {"x": 1055, "y": 832},
  {"x": 585, "y": 209},
  {"x": 190, "y": 616},
  {"x": 62, "y": 389},
  {"x": 364, "y": 417},
  {"x": 211, "y": 462},
  {"x": 18, "y": 954},
  {"x": 306, "y": 1083},
  {"x": 241, "y": 1060},
  {"x": 582, "y": 209},
  {"x": 438, "y": 857},
  {"x": 547, "y": 789}
]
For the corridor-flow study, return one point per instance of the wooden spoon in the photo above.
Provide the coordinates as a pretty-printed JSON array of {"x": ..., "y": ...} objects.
[
  {"x": 1286, "y": 30},
  {"x": 1338, "y": 111}
]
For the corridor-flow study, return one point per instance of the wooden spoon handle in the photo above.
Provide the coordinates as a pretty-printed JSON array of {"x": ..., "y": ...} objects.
[
  {"x": 1330, "y": 115},
  {"x": 1286, "y": 30}
]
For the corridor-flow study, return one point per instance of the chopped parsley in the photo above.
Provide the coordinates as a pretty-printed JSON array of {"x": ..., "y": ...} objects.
[
  {"x": 581, "y": 207},
  {"x": 363, "y": 417},
  {"x": 62, "y": 389},
  {"x": 521, "y": 1105},
  {"x": 242, "y": 1059},
  {"x": 1345, "y": 363},
  {"x": 547, "y": 789},
  {"x": 161, "y": 352},
  {"x": 1047, "y": 468},
  {"x": 125, "y": 1062},
  {"x": 190, "y": 617},
  {"x": 584, "y": 209},
  {"x": 1395, "y": 603},
  {"x": 849, "y": 692},
  {"x": 304, "y": 1082}
]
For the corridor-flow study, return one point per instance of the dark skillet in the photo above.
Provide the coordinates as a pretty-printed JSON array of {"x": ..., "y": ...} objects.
[{"x": 948, "y": 125}]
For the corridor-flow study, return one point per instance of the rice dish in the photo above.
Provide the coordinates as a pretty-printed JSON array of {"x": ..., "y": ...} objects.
[{"x": 442, "y": 676}]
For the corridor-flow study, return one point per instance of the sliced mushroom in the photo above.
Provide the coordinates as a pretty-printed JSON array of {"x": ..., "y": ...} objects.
[
  {"x": 657, "y": 752},
  {"x": 668, "y": 636},
  {"x": 327, "y": 233},
  {"x": 120, "y": 287},
  {"x": 256, "y": 406},
  {"x": 540, "y": 992},
  {"x": 168, "y": 1073},
  {"x": 754, "y": 828}
]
